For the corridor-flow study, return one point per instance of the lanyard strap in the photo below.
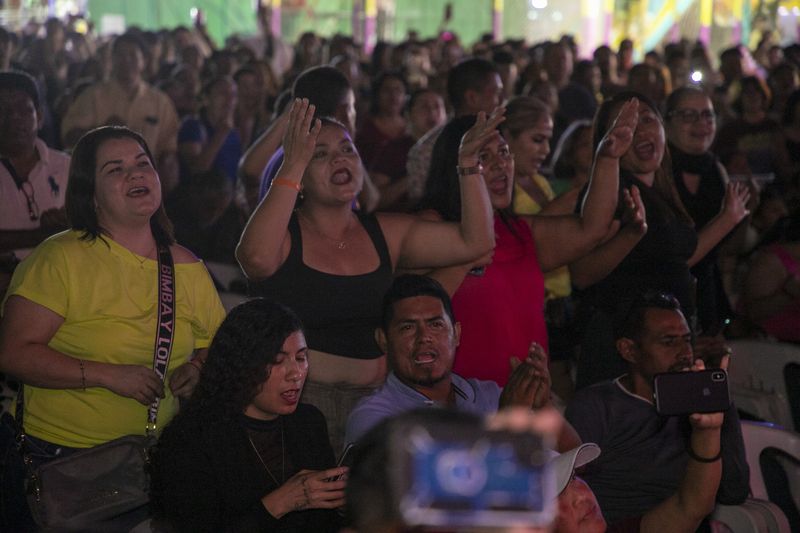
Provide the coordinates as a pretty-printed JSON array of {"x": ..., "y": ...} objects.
[
  {"x": 18, "y": 180},
  {"x": 165, "y": 333}
]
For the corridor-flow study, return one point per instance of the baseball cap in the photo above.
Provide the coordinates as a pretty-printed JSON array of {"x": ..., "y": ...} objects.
[{"x": 564, "y": 464}]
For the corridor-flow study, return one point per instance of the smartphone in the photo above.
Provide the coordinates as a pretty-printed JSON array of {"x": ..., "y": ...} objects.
[
  {"x": 454, "y": 476},
  {"x": 684, "y": 393},
  {"x": 342, "y": 460}
]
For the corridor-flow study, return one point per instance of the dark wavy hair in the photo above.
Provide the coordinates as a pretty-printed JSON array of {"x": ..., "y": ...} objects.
[
  {"x": 80, "y": 202},
  {"x": 664, "y": 184},
  {"x": 239, "y": 358}
]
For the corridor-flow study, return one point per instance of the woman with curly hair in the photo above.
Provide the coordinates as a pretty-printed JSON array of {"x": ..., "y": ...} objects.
[{"x": 244, "y": 454}]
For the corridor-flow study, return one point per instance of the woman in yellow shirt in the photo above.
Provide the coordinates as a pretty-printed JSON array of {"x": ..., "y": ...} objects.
[{"x": 79, "y": 321}]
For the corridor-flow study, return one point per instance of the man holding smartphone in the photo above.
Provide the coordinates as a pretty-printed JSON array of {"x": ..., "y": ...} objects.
[{"x": 644, "y": 454}]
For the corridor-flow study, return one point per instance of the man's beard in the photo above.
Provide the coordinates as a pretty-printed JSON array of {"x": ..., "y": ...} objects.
[{"x": 428, "y": 381}]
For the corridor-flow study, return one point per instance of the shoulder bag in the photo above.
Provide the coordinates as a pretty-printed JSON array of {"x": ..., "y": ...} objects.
[{"x": 97, "y": 484}]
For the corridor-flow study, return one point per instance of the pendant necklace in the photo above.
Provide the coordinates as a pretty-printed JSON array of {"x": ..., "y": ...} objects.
[
  {"x": 146, "y": 257},
  {"x": 340, "y": 244},
  {"x": 283, "y": 459}
]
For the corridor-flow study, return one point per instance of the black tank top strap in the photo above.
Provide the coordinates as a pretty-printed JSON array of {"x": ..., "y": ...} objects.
[
  {"x": 373, "y": 229},
  {"x": 295, "y": 256}
]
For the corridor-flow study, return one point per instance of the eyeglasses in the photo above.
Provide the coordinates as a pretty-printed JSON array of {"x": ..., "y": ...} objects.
[
  {"x": 690, "y": 116},
  {"x": 30, "y": 198}
]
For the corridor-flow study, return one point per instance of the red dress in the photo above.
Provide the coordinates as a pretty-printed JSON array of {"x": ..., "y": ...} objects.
[{"x": 502, "y": 311}]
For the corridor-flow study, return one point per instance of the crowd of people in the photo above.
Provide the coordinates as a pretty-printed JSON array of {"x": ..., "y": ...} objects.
[{"x": 473, "y": 228}]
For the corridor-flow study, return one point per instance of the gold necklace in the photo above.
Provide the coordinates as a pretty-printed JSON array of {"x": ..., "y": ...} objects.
[
  {"x": 340, "y": 244},
  {"x": 283, "y": 459},
  {"x": 146, "y": 257}
]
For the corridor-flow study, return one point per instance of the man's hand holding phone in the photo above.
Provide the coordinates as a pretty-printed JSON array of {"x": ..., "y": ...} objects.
[
  {"x": 698, "y": 390},
  {"x": 707, "y": 420}
]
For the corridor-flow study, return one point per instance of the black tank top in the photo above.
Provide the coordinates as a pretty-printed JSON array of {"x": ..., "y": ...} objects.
[{"x": 339, "y": 313}]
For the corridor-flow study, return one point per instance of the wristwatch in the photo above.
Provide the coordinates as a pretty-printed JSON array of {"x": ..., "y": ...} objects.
[{"x": 469, "y": 171}]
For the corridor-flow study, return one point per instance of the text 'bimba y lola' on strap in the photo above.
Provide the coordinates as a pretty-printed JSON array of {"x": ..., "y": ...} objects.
[{"x": 166, "y": 327}]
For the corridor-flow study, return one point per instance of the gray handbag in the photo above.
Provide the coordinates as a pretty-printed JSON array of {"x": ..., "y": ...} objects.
[{"x": 91, "y": 486}]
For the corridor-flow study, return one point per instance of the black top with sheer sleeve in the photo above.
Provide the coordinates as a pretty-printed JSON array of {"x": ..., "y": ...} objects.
[{"x": 207, "y": 477}]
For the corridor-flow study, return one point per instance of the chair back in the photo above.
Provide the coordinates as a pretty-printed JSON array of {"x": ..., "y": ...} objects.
[
  {"x": 762, "y": 377},
  {"x": 760, "y": 436}
]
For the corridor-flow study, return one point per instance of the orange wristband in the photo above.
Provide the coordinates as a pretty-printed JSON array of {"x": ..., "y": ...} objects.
[{"x": 287, "y": 183}]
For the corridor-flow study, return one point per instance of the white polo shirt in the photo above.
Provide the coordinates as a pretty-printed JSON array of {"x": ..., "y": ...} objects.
[{"x": 48, "y": 181}]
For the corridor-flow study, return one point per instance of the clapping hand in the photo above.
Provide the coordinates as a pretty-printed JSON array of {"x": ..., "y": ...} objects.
[
  {"x": 529, "y": 383},
  {"x": 619, "y": 136}
]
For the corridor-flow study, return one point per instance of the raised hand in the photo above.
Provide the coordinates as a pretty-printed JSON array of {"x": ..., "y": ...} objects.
[
  {"x": 483, "y": 131},
  {"x": 300, "y": 137},
  {"x": 133, "y": 381},
  {"x": 619, "y": 136},
  {"x": 734, "y": 205},
  {"x": 634, "y": 217}
]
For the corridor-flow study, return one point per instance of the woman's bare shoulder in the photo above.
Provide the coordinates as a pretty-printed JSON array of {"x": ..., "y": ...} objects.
[{"x": 182, "y": 255}]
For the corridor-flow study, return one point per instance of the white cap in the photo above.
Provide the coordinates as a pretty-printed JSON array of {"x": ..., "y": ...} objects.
[{"x": 564, "y": 464}]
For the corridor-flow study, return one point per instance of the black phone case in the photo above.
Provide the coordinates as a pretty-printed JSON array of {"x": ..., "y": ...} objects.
[{"x": 683, "y": 393}]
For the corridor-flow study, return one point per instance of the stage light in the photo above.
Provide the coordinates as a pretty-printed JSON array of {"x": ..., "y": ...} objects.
[
  {"x": 697, "y": 76},
  {"x": 538, "y": 4}
]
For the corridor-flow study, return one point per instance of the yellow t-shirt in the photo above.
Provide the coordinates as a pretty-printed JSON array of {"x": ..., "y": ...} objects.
[
  {"x": 556, "y": 283},
  {"x": 107, "y": 296}
]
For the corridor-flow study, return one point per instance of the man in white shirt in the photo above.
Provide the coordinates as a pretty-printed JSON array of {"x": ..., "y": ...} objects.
[{"x": 33, "y": 177}]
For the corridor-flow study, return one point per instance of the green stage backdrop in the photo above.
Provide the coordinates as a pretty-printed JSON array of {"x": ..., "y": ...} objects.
[{"x": 471, "y": 18}]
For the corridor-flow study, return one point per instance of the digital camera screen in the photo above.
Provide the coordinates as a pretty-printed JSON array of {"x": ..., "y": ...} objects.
[{"x": 494, "y": 480}]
